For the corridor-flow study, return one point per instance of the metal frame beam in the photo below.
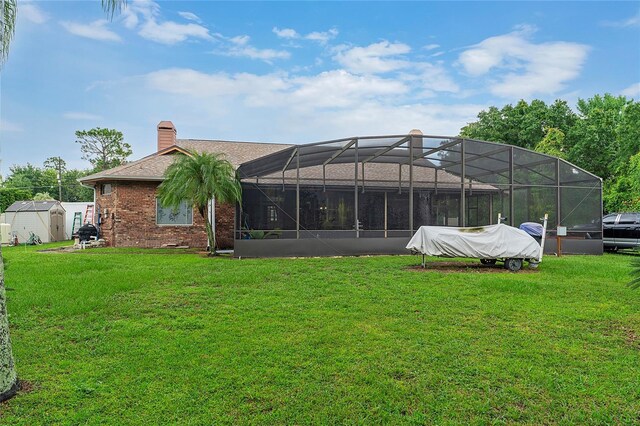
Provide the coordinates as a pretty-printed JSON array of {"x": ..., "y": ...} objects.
[
  {"x": 298, "y": 194},
  {"x": 339, "y": 153},
  {"x": 293, "y": 154},
  {"x": 387, "y": 149},
  {"x": 434, "y": 150},
  {"x": 463, "y": 204},
  {"x": 355, "y": 191}
]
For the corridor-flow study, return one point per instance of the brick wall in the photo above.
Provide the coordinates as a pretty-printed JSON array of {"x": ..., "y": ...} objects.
[{"x": 131, "y": 220}]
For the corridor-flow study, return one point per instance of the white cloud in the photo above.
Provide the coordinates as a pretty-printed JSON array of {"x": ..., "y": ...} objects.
[
  {"x": 337, "y": 89},
  {"x": 71, "y": 115},
  {"x": 240, "y": 40},
  {"x": 429, "y": 79},
  {"x": 190, "y": 16},
  {"x": 633, "y": 21},
  {"x": 379, "y": 57},
  {"x": 282, "y": 107},
  {"x": 521, "y": 68},
  {"x": 321, "y": 37},
  {"x": 632, "y": 91},
  {"x": 144, "y": 15},
  {"x": 341, "y": 89},
  {"x": 431, "y": 46},
  {"x": 169, "y": 32},
  {"x": 8, "y": 126},
  {"x": 251, "y": 52},
  {"x": 32, "y": 12},
  {"x": 285, "y": 33},
  {"x": 197, "y": 84},
  {"x": 96, "y": 30}
]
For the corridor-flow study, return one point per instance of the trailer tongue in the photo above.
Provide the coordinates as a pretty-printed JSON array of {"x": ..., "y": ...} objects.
[{"x": 490, "y": 244}]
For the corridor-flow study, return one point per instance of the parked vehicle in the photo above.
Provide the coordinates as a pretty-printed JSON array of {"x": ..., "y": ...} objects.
[{"x": 621, "y": 231}]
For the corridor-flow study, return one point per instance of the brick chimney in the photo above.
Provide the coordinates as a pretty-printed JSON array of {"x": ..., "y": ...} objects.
[
  {"x": 166, "y": 135},
  {"x": 416, "y": 139}
]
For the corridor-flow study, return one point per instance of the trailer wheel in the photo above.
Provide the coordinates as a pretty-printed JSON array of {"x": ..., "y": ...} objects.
[
  {"x": 514, "y": 265},
  {"x": 488, "y": 261}
]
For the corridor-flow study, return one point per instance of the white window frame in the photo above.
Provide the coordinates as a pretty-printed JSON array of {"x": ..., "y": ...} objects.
[{"x": 172, "y": 224}]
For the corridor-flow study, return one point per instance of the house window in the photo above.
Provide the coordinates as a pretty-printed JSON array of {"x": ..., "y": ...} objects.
[
  {"x": 105, "y": 189},
  {"x": 180, "y": 215}
]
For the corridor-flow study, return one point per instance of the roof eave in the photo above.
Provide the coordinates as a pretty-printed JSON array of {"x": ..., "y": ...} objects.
[{"x": 103, "y": 178}]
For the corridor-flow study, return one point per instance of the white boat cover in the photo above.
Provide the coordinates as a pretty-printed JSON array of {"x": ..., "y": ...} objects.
[{"x": 482, "y": 242}]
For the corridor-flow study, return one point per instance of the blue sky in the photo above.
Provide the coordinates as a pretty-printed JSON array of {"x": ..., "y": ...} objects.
[{"x": 297, "y": 72}]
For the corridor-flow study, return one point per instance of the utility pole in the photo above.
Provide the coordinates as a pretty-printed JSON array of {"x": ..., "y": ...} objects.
[
  {"x": 59, "y": 165},
  {"x": 60, "y": 182}
]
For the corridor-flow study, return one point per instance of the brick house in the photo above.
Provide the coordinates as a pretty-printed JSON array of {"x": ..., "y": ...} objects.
[
  {"x": 127, "y": 209},
  {"x": 356, "y": 195}
]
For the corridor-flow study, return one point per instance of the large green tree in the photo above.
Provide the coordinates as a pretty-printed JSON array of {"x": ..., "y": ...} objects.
[
  {"x": 9, "y": 196},
  {"x": 30, "y": 180},
  {"x": 603, "y": 137},
  {"x": 523, "y": 124},
  {"x": 594, "y": 140},
  {"x": 199, "y": 178},
  {"x": 103, "y": 148}
]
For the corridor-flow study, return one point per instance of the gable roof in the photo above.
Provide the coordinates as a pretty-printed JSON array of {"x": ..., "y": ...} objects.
[
  {"x": 152, "y": 167},
  {"x": 32, "y": 206}
]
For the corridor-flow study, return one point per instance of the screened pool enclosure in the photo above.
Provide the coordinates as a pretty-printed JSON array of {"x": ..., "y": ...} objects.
[{"x": 368, "y": 195}]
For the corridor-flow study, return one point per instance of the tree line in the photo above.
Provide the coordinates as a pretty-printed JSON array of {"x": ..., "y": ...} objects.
[
  {"x": 102, "y": 148},
  {"x": 602, "y": 136}
]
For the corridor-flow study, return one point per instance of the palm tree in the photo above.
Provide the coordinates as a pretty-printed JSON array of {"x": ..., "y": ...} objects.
[
  {"x": 8, "y": 375},
  {"x": 9, "y": 11},
  {"x": 199, "y": 178}
]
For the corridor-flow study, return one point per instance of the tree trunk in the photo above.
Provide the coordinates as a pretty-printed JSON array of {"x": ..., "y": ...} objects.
[
  {"x": 8, "y": 376},
  {"x": 210, "y": 234}
]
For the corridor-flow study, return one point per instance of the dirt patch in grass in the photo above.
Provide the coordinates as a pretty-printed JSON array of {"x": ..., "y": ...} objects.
[
  {"x": 630, "y": 336},
  {"x": 65, "y": 249},
  {"x": 26, "y": 386},
  {"x": 468, "y": 267}
]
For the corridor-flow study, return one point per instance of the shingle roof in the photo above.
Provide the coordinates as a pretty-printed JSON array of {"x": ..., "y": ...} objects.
[
  {"x": 31, "y": 206},
  {"x": 153, "y": 166}
]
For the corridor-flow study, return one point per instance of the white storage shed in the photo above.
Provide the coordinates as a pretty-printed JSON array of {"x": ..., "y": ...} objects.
[{"x": 46, "y": 219}]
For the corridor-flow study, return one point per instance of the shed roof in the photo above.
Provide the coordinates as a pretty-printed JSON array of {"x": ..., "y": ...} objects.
[{"x": 32, "y": 206}]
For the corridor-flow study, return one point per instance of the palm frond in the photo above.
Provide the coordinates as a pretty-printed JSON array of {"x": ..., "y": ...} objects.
[
  {"x": 111, "y": 7},
  {"x": 635, "y": 273},
  {"x": 199, "y": 178},
  {"x": 7, "y": 26}
]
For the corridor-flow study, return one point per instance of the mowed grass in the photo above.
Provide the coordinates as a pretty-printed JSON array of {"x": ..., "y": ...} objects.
[{"x": 125, "y": 336}]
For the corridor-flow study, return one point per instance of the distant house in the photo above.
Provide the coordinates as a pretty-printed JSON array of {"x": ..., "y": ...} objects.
[{"x": 46, "y": 219}]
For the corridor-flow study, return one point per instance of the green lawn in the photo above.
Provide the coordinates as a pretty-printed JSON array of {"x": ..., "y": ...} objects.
[{"x": 117, "y": 336}]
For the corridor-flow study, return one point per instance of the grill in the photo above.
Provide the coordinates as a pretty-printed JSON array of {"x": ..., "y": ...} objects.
[{"x": 87, "y": 231}]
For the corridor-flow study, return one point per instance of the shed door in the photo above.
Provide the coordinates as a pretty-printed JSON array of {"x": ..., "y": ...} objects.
[{"x": 57, "y": 226}]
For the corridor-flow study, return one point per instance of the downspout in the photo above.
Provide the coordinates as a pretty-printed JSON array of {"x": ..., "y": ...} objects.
[{"x": 212, "y": 219}]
